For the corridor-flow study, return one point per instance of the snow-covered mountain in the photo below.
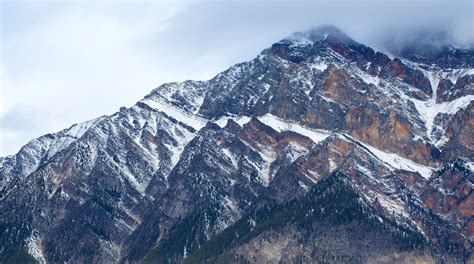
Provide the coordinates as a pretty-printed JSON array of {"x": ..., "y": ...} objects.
[{"x": 317, "y": 128}]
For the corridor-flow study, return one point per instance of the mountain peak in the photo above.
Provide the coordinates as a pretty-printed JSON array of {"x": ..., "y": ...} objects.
[
  {"x": 322, "y": 33},
  {"x": 317, "y": 132}
]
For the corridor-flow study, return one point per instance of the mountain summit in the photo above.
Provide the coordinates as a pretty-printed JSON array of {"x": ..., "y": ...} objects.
[
  {"x": 321, "y": 33},
  {"x": 318, "y": 150}
]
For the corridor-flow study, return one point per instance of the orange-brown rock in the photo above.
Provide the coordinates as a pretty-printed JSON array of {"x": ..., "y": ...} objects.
[{"x": 466, "y": 208}]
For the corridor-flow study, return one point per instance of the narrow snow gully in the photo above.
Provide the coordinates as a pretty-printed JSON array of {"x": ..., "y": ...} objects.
[{"x": 429, "y": 109}]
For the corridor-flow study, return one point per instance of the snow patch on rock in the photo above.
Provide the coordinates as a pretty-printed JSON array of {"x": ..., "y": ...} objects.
[
  {"x": 399, "y": 163},
  {"x": 317, "y": 135},
  {"x": 428, "y": 110},
  {"x": 189, "y": 119},
  {"x": 33, "y": 245}
]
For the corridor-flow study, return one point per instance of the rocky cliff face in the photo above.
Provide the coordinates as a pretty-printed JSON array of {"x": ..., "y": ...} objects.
[{"x": 319, "y": 138}]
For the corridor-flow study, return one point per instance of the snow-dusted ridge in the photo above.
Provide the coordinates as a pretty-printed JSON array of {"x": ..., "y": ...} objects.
[
  {"x": 428, "y": 110},
  {"x": 317, "y": 135},
  {"x": 40, "y": 150},
  {"x": 394, "y": 161},
  {"x": 241, "y": 120},
  {"x": 189, "y": 119}
]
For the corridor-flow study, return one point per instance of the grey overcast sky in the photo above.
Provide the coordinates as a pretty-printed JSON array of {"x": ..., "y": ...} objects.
[{"x": 65, "y": 62}]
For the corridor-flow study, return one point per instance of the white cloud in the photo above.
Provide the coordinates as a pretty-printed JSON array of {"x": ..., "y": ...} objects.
[{"x": 78, "y": 64}]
